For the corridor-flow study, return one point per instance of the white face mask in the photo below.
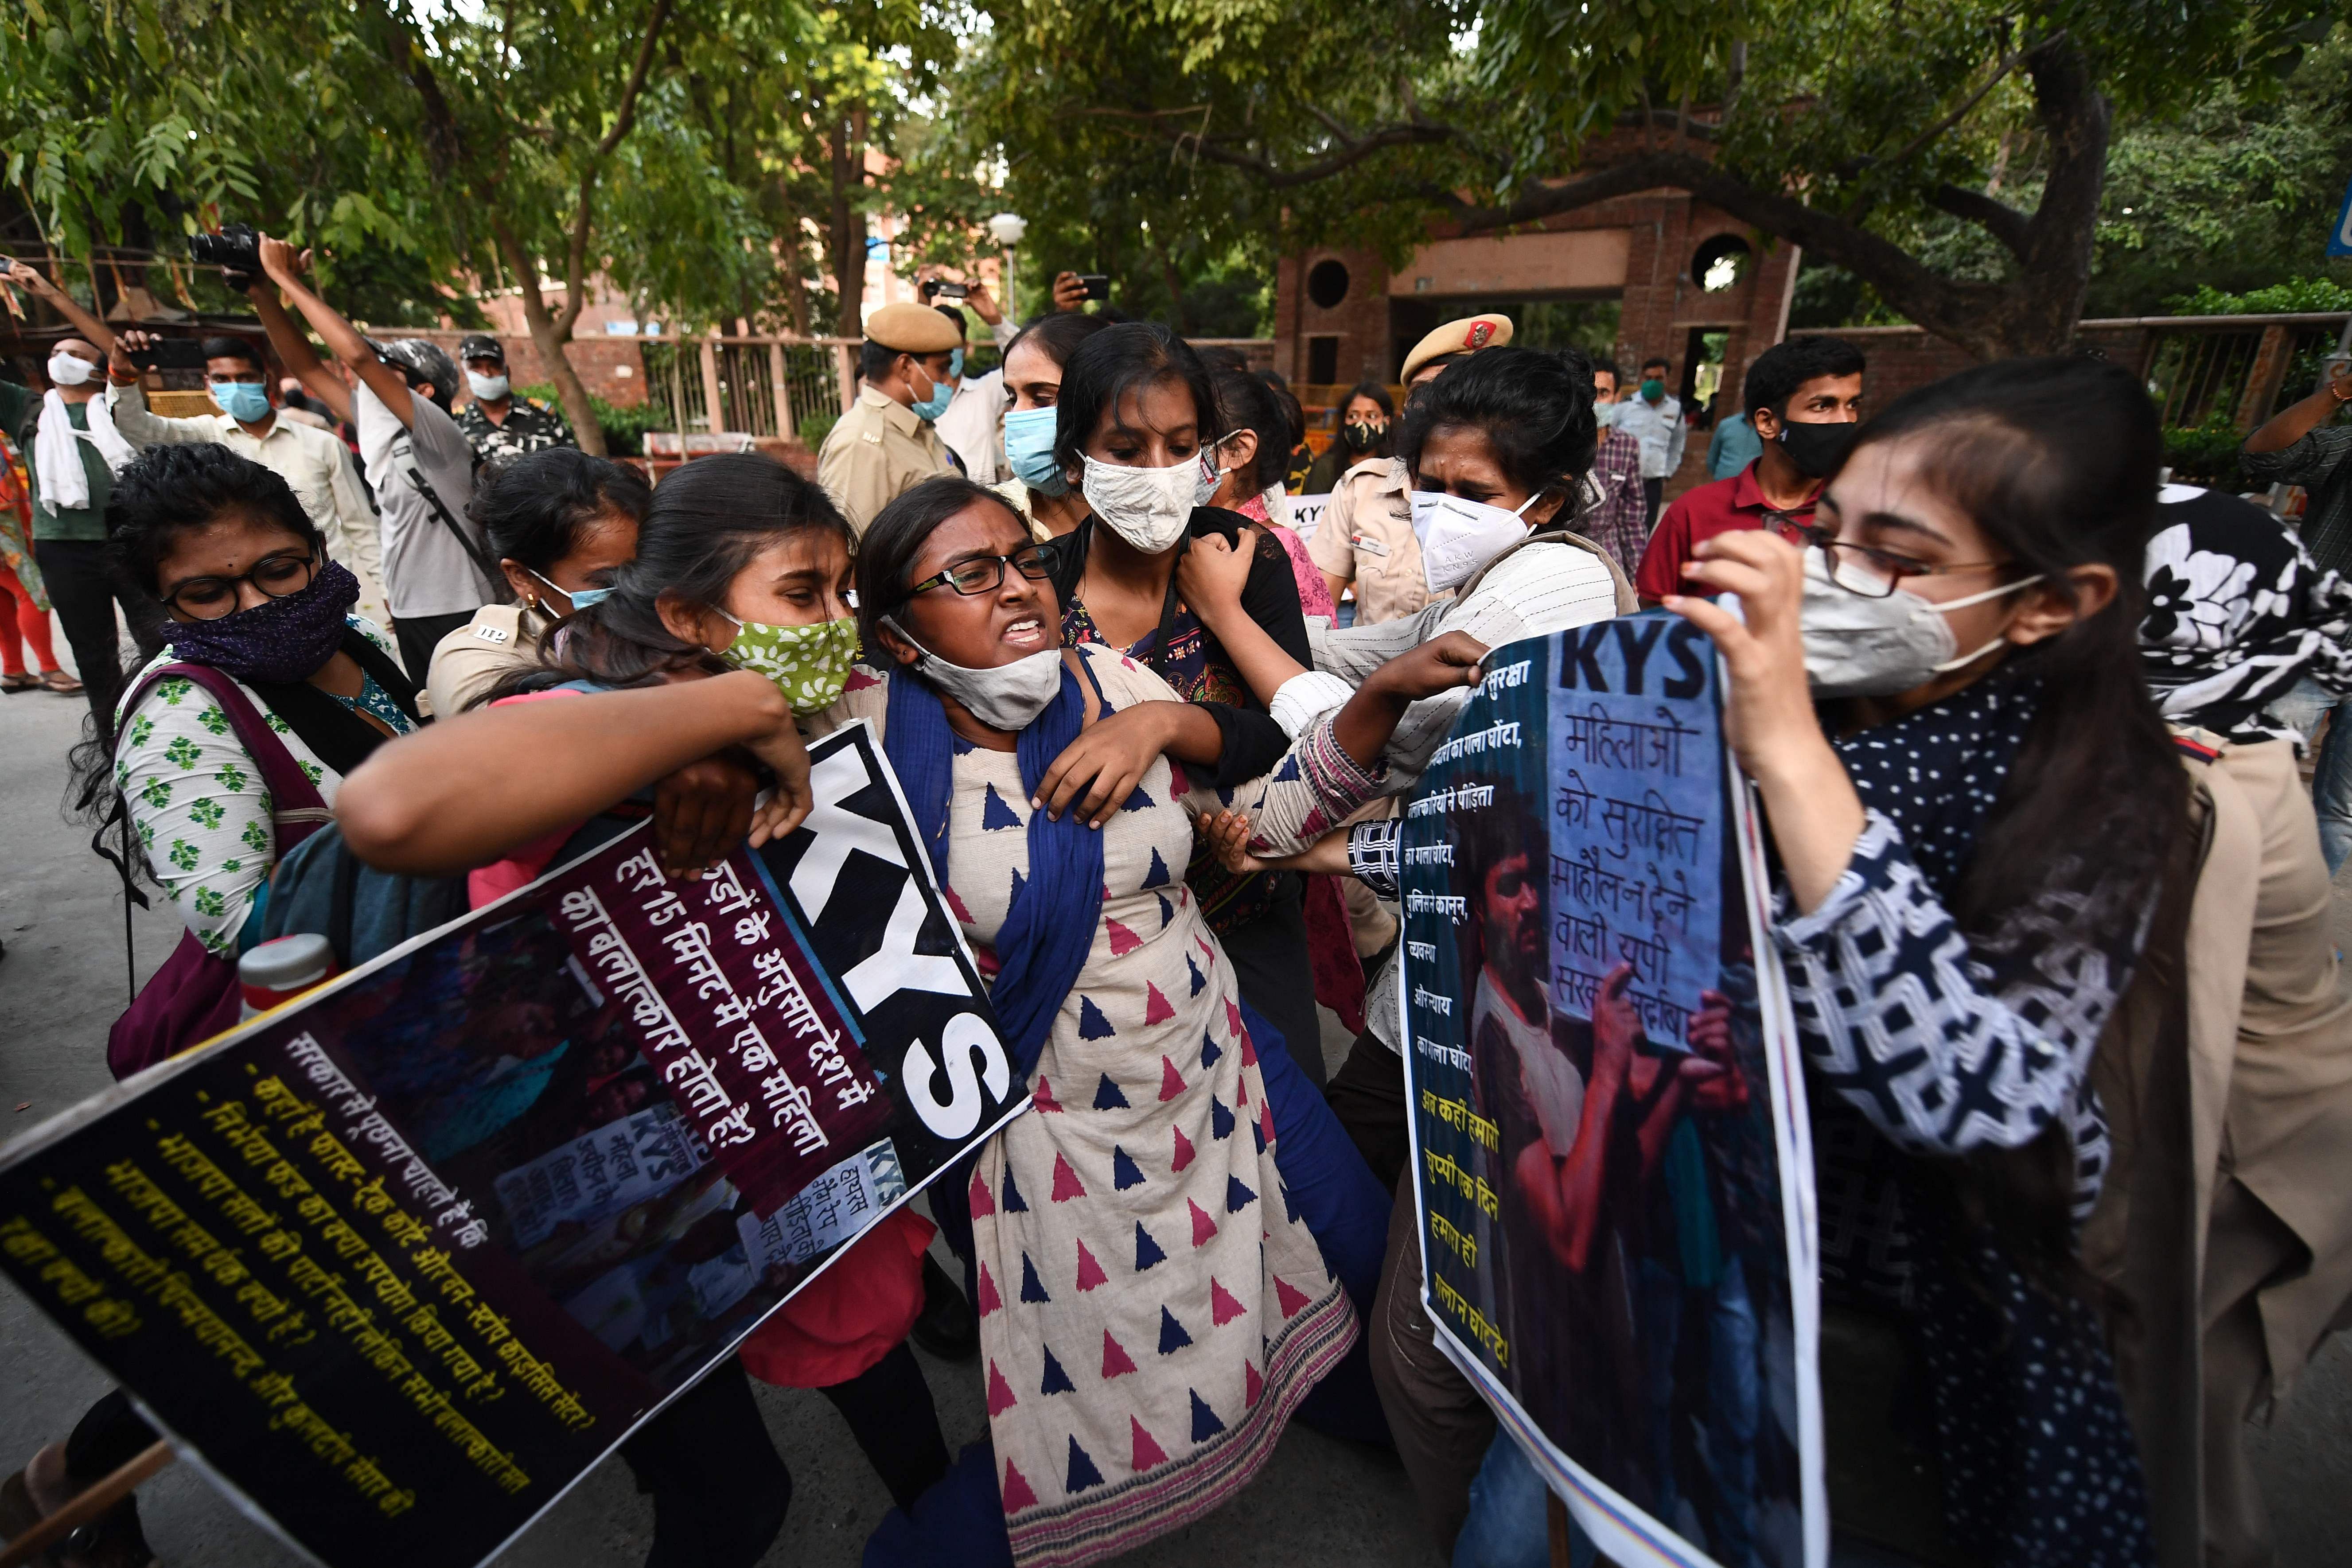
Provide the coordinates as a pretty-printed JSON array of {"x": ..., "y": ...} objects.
[
  {"x": 1459, "y": 536},
  {"x": 488, "y": 388},
  {"x": 1604, "y": 415},
  {"x": 1009, "y": 697},
  {"x": 1149, "y": 508},
  {"x": 1858, "y": 646},
  {"x": 70, "y": 370}
]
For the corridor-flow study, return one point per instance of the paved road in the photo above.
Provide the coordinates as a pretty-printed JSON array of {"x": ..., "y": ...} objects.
[{"x": 1319, "y": 1501}]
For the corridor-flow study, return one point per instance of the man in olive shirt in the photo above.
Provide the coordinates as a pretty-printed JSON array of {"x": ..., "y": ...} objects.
[
  {"x": 884, "y": 444},
  {"x": 69, "y": 509}
]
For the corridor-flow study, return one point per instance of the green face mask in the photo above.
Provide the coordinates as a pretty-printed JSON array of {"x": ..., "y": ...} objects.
[
  {"x": 1654, "y": 389},
  {"x": 810, "y": 664}
]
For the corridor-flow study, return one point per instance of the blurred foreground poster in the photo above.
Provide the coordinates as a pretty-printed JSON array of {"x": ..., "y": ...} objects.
[
  {"x": 397, "y": 1263},
  {"x": 1609, "y": 1138}
]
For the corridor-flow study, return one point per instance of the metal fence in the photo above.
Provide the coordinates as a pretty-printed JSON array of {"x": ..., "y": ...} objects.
[
  {"x": 765, "y": 387},
  {"x": 2236, "y": 371}
]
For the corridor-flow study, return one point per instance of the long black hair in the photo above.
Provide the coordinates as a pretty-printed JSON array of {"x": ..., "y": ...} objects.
[
  {"x": 706, "y": 522},
  {"x": 1246, "y": 402},
  {"x": 1057, "y": 335},
  {"x": 533, "y": 508},
  {"x": 1534, "y": 408},
  {"x": 1115, "y": 364},
  {"x": 2055, "y": 461}
]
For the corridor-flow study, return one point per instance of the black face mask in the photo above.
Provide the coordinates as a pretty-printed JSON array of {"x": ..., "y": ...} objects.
[
  {"x": 1818, "y": 449},
  {"x": 1360, "y": 438}
]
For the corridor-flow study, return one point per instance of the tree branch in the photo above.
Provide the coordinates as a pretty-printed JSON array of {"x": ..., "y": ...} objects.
[
  {"x": 1997, "y": 218},
  {"x": 575, "y": 260},
  {"x": 1352, "y": 152},
  {"x": 2001, "y": 73}
]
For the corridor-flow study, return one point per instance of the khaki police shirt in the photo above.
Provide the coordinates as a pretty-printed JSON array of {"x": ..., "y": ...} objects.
[
  {"x": 879, "y": 450},
  {"x": 500, "y": 640},
  {"x": 1366, "y": 537}
]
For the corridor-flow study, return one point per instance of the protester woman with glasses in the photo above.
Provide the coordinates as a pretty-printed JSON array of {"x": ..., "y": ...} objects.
[
  {"x": 246, "y": 589},
  {"x": 1165, "y": 1248},
  {"x": 1980, "y": 829}
]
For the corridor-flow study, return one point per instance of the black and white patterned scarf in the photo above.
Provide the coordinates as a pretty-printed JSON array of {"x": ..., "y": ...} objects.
[{"x": 2237, "y": 614}]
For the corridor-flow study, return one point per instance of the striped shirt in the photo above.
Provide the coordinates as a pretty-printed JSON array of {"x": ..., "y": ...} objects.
[{"x": 2322, "y": 464}]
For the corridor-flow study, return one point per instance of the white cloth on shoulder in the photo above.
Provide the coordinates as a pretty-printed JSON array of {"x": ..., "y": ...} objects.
[{"x": 64, "y": 486}]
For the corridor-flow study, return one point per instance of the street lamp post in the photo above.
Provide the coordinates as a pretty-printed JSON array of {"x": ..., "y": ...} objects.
[{"x": 1006, "y": 229}]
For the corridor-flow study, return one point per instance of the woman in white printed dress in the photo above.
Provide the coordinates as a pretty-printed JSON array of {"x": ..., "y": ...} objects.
[{"x": 1154, "y": 1305}]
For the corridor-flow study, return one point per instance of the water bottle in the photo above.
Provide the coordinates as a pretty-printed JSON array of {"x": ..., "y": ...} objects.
[{"x": 281, "y": 969}]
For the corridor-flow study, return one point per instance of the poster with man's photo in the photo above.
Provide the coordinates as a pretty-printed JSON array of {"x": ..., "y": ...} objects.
[
  {"x": 397, "y": 1263},
  {"x": 1609, "y": 1138}
]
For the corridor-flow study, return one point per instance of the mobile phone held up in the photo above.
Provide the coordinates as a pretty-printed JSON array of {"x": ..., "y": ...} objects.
[
  {"x": 171, "y": 354},
  {"x": 1098, "y": 285}
]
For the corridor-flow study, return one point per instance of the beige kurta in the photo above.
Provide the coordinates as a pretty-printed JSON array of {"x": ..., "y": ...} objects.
[
  {"x": 1151, "y": 1310},
  {"x": 880, "y": 449}
]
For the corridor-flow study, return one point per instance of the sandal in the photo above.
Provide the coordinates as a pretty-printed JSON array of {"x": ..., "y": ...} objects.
[
  {"x": 59, "y": 682},
  {"x": 112, "y": 1540},
  {"x": 12, "y": 684}
]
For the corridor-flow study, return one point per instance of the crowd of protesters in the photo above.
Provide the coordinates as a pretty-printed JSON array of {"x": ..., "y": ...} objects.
[{"x": 2025, "y": 723}]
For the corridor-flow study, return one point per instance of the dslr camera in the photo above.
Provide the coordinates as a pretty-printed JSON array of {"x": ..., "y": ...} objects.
[{"x": 236, "y": 249}]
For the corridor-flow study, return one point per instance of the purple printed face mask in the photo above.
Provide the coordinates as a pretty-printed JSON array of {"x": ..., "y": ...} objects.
[{"x": 278, "y": 641}]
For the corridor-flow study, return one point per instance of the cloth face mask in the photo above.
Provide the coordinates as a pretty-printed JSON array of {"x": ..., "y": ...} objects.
[
  {"x": 1009, "y": 697},
  {"x": 279, "y": 640},
  {"x": 1149, "y": 508},
  {"x": 1029, "y": 448},
  {"x": 1604, "y": 415},
  {"x": 810, "y": 664},
  {"x": 247, "y": 402},
  {"x": 1858, "y": 646},
  {"x": 488, "y": 388},
  {"x": 1359, "y": 437},
  {"x": 1459, "y": 536},
  {"x": 1818, "y": 449}
]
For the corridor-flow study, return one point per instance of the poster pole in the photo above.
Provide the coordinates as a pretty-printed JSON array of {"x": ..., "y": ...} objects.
[{"x": 86, "y": 1505}]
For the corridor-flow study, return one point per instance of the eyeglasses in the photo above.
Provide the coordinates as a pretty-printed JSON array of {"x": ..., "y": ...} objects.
[
  {"x": 985, "y": 574},
  {"x": 210, "y": 598},
  {"x": 1876, "y": 574}
]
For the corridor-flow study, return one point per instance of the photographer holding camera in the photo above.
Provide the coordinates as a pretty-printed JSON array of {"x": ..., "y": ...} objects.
[
  {"x": 313, "y": 462},
  {"x": 437, "y": 570},
  {"x": 71, "y": 450}
]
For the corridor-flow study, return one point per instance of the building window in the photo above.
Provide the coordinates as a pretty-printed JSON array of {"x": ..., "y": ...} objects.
[
  {"x": 1720, "y": 263},
  {"x": 1327, "y": 283},
  {"x": 1322, "y": 361}
]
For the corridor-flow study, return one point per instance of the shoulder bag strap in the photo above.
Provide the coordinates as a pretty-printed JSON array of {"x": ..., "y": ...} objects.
[{"x": 466, "y": 542}]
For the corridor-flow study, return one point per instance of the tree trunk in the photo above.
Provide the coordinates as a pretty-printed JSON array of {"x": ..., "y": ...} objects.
[
  {"x": 549, "y": 334},
  {"x": 845, "y": 234}
]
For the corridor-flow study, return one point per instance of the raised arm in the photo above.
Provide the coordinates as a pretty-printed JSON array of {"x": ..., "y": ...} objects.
[
  {"x": 448, "y": 798},
  {"x": 295, "y": 353},
  {"x": 344, "y": 340},
  {"x": 97, "y": 332},
  {"x": 2293, "y": 422}
]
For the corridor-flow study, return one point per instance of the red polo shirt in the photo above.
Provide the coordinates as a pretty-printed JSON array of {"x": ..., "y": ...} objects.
[{"x": 1702, "y": 513}]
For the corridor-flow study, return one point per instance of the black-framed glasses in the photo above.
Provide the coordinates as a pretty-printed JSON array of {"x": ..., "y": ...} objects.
[
  {"x": 279, "y": 577},
  {"x": 985, "y": 574},
  {"x": 1875, "y": 573}
]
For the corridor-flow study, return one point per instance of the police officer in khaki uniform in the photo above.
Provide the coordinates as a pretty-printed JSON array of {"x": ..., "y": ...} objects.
[
  {"x": 885, "y": 445},
  {"x": 1366, "y": 534}
]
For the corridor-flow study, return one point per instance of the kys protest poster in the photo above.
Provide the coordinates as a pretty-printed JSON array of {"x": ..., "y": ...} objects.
[
  {"x": 396, "y": 1264},
  {"x": 1609, "y": 1139}
]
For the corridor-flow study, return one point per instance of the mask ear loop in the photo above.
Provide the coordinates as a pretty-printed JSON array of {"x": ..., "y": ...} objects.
[{"x": 1961, "y": 604}]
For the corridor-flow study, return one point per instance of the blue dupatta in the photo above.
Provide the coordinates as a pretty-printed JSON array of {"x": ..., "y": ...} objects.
[{"x": 1050, "y": 928}]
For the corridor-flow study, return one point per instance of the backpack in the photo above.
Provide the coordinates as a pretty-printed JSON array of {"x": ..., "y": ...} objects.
[
  {"x": 195, "y": 995},
  {"x": 362, "y": 913}
]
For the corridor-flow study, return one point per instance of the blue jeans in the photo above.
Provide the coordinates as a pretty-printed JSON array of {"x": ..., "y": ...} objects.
[
  {"x": 1507, "y": 1527},
  {"x": 2331, "y": 780}
]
